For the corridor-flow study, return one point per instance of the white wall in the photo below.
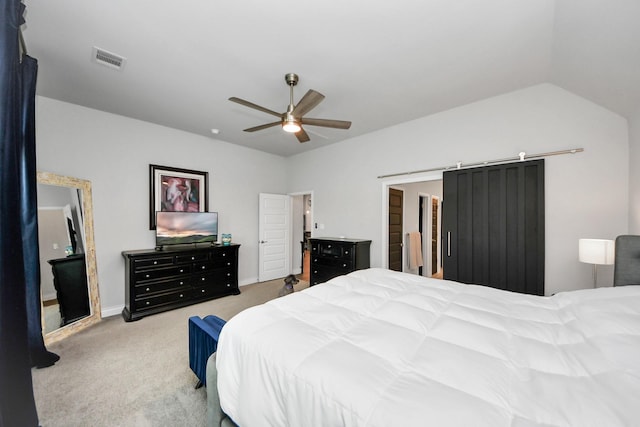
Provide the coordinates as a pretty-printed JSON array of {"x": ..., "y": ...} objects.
[
  {"x": 586, "y": 193},
  {"x": 634, "y": 174},
  {"x": 114, "y": 153}
]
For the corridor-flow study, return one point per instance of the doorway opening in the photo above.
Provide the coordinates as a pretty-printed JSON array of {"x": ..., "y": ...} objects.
[
  {"x": 302, "y": 220},
  {"x": 430, "y": 224},
  {"x": 422, "y": 210}
]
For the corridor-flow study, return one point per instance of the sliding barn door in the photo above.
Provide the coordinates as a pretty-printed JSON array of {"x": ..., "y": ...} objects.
[{"x": 493, "y": 226}]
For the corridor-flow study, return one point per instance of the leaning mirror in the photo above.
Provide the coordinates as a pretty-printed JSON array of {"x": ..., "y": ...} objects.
[{"x": 69, "y": 278}]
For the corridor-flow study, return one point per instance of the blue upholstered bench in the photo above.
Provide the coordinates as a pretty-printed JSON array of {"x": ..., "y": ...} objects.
[{"x": 203, "y": 342}]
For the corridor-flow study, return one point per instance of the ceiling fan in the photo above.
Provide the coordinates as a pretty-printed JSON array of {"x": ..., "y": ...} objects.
[{"x": 293, "y": 119}]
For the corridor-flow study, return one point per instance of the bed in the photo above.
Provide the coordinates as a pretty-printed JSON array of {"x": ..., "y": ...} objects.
[{"x": 381, "y": 348}]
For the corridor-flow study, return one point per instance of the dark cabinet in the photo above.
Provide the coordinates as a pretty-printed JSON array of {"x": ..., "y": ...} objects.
[
  {"x": 493, "y": 226},
  {"x": 70, "y": 282},
  {"x": 331, "y": 257},
  {"x": 158, "y": 281}
]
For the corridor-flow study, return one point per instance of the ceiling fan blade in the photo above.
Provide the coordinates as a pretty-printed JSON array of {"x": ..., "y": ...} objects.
[
  {"x": 254, "y": 106},
  {"x": 265, "y": 126},
  {"x": 327, "y": 123},
  {"x": 302, "y": 136},
  {"x": 309, "y": 101}
]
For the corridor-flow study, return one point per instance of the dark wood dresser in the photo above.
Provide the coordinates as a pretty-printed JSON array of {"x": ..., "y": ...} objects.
[
  {"x": 331, "y": 257},
  {"x": 158, "y": 281}
]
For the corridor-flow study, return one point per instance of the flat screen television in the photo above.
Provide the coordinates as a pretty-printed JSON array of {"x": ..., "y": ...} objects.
[{"x": 182, "y": 228}]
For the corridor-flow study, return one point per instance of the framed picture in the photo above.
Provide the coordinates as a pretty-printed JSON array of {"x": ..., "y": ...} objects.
[{"x": 176, "y": 190}]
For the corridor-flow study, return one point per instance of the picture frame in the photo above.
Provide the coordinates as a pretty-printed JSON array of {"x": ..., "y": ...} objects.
[{"x": 176, "y": 190}]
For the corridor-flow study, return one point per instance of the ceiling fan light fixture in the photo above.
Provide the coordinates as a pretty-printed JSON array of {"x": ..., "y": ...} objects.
[{"x": 291, "y": 126}]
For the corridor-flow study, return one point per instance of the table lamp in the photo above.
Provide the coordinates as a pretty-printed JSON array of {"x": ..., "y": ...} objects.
[{"x": 596, "y": 252}]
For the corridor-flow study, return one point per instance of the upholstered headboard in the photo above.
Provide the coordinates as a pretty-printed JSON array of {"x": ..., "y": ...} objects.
[{"x": 626, "y": 269}]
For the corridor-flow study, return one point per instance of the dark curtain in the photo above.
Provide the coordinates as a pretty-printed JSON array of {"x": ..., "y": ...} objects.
[
  {"x": 20, "y": 349},
  {"x": 28, "y": 185}
]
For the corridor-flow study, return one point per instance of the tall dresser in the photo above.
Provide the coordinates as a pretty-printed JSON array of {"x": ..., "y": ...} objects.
[
  {"x": 331, "y": 257},
  {"x": 157, "y": 281}
]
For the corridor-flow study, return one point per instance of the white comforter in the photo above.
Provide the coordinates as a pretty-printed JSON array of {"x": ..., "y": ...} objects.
[{"x": 379, "y": 348}]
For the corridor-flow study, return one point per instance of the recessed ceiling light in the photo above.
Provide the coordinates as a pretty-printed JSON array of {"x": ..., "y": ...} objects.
[{"x": 215, "y": 131}]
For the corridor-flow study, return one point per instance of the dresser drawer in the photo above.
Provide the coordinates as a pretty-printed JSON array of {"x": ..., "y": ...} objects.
[
  {"x": 220, "y": 277},
  {"x": 227, "y": 263},
  {"x": 323, "y": 274},
  {"x": 159, "y": 287},
  {"x": 152, "y": 262},
  {"x": 333, "y": 249},
  {"x": 223, "y": 253},
  {"x": 191, "y": 257},
  {"x": 161, "y": 273},
  {"x": 202, "y": 267},
  {"x": 206, "y": 292},
  {"x": 162, "y": 299},
  {"x": 217, "y": 264},
  {"x": 338, "y": 263}
]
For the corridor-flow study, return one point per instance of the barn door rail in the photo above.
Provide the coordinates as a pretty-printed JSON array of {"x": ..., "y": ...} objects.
[{"x": 522, "y": 156}]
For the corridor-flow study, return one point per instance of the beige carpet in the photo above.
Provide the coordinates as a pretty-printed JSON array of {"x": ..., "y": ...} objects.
[{"x": 134, "y": 374}]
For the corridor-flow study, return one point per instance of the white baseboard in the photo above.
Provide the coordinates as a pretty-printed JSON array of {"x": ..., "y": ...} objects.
[
  {"x": 112, "y": 311},
  {"x": 248, "y": 281}
]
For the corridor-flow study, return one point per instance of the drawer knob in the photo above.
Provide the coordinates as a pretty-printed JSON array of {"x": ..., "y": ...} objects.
[
  {"x": 329, "y": 246},
  {"x": 344, "y": 265},
  {"x": 147, "y": 289},
  {"x": 228, "y": 285},
  {"x": 181, "y": 295},
  {"x": 346, "y": 252},
  {"x": 224, "y": 254},
  {"x": 315, "y": 271},
  {"x": 203, "y": 279},
  {"x": 147, "y": 276},
  {"x": 202, "y": 291},
  {"x": 228, "y": 264},
  {"x": 182, "y": 283},
  {"x": 181, "y": 271},
  {"x": 147, "y": 303},
  {"x": 192, "y": 258},
  {"x": 228, "y": 274},
  {"x": 155, "y": 262},
  {"x": 203, "y": 267}
]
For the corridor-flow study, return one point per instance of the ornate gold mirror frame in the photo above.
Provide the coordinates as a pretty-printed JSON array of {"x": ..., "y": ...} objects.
[{"x": 84, "y": 188}]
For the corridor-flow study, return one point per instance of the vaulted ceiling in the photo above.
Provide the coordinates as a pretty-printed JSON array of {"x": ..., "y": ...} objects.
[{"x": 377, "y": 63}]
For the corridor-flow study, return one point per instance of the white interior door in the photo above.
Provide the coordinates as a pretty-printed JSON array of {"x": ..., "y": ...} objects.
[{"x": 275, "y": 241}]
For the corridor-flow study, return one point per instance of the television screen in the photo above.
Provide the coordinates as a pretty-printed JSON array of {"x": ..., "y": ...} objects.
[{"x": 178, "y": 228}]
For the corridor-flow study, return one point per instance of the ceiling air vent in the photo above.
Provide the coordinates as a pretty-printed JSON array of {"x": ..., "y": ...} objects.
[{"x": 108, "y": 59}]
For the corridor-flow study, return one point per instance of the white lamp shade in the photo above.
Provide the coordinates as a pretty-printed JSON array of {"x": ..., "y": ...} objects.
[{"x": 596, "y": 251}]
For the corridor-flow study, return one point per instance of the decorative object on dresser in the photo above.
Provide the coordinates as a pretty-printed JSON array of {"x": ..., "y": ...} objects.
[
  {"x": 331, "y": 257},
  {"x": 158, "y": 281}
]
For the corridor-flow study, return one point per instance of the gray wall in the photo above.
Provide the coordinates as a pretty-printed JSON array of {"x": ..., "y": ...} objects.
[
  {"x": 114, "y": 153},
  {"x": 586, "y": 193},
  {"x": 634, "y": 174}
]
